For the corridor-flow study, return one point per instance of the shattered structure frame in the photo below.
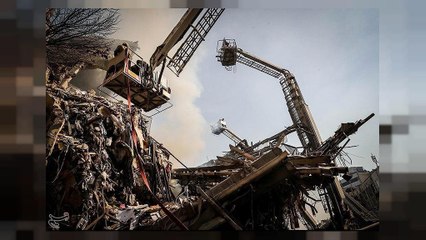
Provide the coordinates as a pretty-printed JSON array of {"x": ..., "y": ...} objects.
[{"x": 105, "y": 172}]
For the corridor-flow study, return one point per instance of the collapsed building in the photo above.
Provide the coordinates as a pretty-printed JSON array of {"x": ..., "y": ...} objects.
[
  {"x": 93, "y": 164},
  {"x": 94, "y": 174},
  {"x": 106, "y": 172},
  {"x": 364, "y": 186}
]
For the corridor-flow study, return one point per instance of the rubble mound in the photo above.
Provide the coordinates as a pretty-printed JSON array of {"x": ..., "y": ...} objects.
[{"x": 98, "y": 155}]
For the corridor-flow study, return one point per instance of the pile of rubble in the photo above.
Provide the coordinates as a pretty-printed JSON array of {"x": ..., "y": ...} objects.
[{"x": 103, "y": 170}]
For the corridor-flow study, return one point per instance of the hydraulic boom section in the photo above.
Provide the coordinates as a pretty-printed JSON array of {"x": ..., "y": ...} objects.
[
  {"x": 229, "y": 54},
  {"x": 194, "y": 39},
  {"x": 137, "y": 81},
  {"x": 174, "y": 36},
  {"x": 220, "y": 127},
  {"x": 200, "y": 29}
]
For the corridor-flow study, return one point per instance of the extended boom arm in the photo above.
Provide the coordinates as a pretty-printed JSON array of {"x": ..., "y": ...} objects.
[{"x": 229, "y": 55}]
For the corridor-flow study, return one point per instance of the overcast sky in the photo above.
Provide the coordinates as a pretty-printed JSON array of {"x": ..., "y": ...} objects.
[{"x": 334, "y": 55}]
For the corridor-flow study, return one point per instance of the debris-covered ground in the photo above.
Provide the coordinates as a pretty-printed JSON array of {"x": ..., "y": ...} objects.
[
  {"x": 105, "y": 172},
  {"x": 94, "y": 165}
]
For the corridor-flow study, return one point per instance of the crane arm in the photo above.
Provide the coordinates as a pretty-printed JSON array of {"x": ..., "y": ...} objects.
[
  {"x": 232, "y": 136},
  {"x": 199, "y": 31},
  {"x": 175, "y": 36},
  {"x": 229, "y": 55},
  {"x": 220, "y": 127},
  {"x": 194, "y": 39},
  {"x": 259, "y": 64}
]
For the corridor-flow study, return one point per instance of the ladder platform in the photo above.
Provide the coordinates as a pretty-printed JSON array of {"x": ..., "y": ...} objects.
[{"x": 144, "y": 93}]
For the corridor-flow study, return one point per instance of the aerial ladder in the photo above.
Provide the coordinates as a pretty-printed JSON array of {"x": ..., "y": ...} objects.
[
  {"x": 220, "y": 127},
  {"x": 229, "y": 54},
  {"x": 138, "y": 82}
]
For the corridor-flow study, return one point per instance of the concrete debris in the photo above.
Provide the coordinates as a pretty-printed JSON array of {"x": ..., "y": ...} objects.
[
  {"x": 94, "y": 166},
  {"x": 107, "y": 172},
  {"x": 254, "y": 192},
  {"x": 266, "y": 186}
]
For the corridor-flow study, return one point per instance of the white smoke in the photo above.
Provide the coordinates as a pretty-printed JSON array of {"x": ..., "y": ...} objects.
[
  {"x": 88, "y": 79},
  {"x": 182, "y": 128}
]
